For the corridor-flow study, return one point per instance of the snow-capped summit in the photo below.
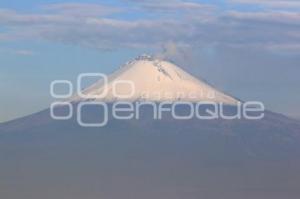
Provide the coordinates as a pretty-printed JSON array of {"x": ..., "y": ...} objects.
[{"x": 150, "y": 79}]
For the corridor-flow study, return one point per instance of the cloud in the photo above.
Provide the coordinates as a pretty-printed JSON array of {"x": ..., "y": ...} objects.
[
  {"x": 280, "y": 4},
  {"x": 81, "y": 9},
  {"x": 92, "y": 25},
  {"x": 170, "y": 49},
  {"x": 23, "y": 52},
  {"x": 173, "y": 51},
  {"x": 171, "y": 5},
  {"x": 292, "y": 18}
]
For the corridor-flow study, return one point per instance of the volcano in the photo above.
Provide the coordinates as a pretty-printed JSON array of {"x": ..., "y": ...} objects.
[{"x": 146, "y": 158}]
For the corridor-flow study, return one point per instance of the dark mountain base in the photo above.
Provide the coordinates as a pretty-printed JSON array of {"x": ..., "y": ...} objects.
[{"x": 167, "y": 159}]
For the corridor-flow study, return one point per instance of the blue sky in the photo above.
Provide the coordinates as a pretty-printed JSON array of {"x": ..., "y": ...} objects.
[{"x": 249, "y": 48}]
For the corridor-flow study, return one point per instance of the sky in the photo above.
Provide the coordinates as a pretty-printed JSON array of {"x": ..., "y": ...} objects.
[{"x": 248, "y": 48}]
